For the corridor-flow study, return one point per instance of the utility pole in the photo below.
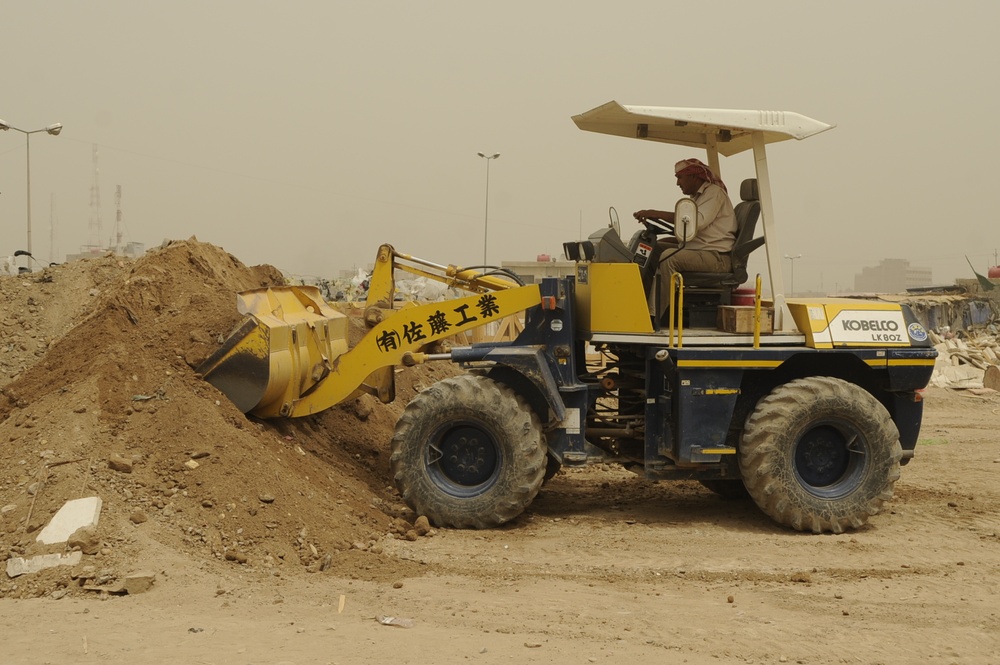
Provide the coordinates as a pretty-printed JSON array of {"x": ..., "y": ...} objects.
[
  {"x": 52, "y": 229},
  {"x": 95, "y": 206},
  {"x": 486, "y": 223}
]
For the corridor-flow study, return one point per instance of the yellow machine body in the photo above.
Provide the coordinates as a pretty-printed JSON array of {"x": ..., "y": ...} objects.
[
  {"x": 845, "y": 322},
  {"x": 610, "y": 298}
]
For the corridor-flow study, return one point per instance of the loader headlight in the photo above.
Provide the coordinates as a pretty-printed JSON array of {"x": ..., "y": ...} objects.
[{"x": 578, "y": 251}]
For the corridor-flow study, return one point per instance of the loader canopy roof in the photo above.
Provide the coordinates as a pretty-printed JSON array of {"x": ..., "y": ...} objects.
[{"x": 725, "y": 130}]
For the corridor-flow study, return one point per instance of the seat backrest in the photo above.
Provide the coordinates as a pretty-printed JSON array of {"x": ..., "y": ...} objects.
[{"x": 747, "y": 213}]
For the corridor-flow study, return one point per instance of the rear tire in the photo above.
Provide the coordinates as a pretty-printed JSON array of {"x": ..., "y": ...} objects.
[
  {"x": 468, "y": 452},
  {"x": 820, "y": 454}
]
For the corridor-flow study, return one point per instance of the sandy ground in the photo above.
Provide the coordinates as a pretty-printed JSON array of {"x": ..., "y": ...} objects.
[
  {"x": 605, "y": 567},
  {"x": 287, "y": 540}
]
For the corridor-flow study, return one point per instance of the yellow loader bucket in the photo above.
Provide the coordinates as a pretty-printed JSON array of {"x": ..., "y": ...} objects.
[{"x": 280, "y": 352}]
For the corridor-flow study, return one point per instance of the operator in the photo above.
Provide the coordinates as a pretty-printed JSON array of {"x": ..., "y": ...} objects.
[{"x": 709, "y": 250}]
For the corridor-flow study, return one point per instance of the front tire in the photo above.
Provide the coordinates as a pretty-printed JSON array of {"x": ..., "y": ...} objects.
[
  {"x": 468, "y": 452},
  {"x": 820, "y": 454}
]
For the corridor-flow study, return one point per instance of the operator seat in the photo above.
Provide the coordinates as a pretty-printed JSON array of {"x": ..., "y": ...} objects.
[
  {"x": 747, "y": 212},
  {"x": 705, "y": 292}
]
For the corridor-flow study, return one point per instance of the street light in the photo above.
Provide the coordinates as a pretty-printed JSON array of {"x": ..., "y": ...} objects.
[
  {"x": 486, "y": 223},
  {"x": 791, "y": 259},
  {"x": 52, "y": 129}
]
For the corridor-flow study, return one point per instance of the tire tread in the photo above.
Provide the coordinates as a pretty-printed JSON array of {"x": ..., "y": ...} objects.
[{"x": 766, "y": 469}]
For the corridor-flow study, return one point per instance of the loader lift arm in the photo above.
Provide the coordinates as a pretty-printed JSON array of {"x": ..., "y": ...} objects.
[{"x": 289, "y": 357}]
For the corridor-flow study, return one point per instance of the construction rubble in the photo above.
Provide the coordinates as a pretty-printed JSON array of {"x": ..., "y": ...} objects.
[
  {"x": 967, "y": 362},
  {"x": 964, "y": 327}
]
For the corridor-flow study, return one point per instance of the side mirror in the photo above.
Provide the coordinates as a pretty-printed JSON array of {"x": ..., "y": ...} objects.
[{"x": 685, "y": 219}]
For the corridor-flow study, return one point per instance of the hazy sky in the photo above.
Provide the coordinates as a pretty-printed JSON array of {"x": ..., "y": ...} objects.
[{"x": 305, "y": 134}]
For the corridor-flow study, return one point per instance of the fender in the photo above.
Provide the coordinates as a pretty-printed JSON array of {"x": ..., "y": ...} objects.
[{"x": 529, "y": 361}]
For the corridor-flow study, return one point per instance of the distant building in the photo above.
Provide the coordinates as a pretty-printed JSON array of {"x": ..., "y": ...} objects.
[{"x": 892, "y": 276}]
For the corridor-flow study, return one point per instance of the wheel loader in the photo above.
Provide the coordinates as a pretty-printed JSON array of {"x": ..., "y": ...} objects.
[{"x": 809, "y": 406}]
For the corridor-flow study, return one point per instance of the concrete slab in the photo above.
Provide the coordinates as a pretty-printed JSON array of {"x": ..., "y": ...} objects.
[
  {"x": 139, "y": 582},
  {"x": 19, "y": 566},
  {"x": 72, "y": 516}
]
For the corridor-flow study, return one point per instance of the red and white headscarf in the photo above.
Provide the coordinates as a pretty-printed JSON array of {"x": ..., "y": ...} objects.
[{"x": 697, "y": 167}]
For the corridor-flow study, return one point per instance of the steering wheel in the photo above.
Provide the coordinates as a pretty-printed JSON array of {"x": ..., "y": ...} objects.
[
  {"x": 657, "y": 226},
  {"x": 614, "y": 223}
]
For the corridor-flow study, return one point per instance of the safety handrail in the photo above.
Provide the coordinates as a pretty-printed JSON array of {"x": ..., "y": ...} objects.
[
  {"x": 675, "y": 316},
  {"x": 756, "y": 314}
]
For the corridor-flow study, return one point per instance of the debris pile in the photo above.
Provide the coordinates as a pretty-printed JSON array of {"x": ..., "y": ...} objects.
[
  {"x": 967, "y": 361},
  {"x": 355, "y": 289},
  {"x": 99, "y": 398}
]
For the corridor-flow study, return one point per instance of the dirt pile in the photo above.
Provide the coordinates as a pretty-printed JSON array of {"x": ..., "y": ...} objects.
[{"x": 100, "y": 398}]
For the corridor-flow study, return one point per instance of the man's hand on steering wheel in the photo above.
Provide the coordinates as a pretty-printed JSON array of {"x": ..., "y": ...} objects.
[{"x": 655, "y": 221}]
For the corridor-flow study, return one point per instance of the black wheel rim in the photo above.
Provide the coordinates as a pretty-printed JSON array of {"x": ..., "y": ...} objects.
[
  {"x": 463, "y": 459},
  {"x": 830, "y": 458}
]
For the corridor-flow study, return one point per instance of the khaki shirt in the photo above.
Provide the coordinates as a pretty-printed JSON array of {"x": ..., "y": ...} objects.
[{"x": 716, "y": 220}]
